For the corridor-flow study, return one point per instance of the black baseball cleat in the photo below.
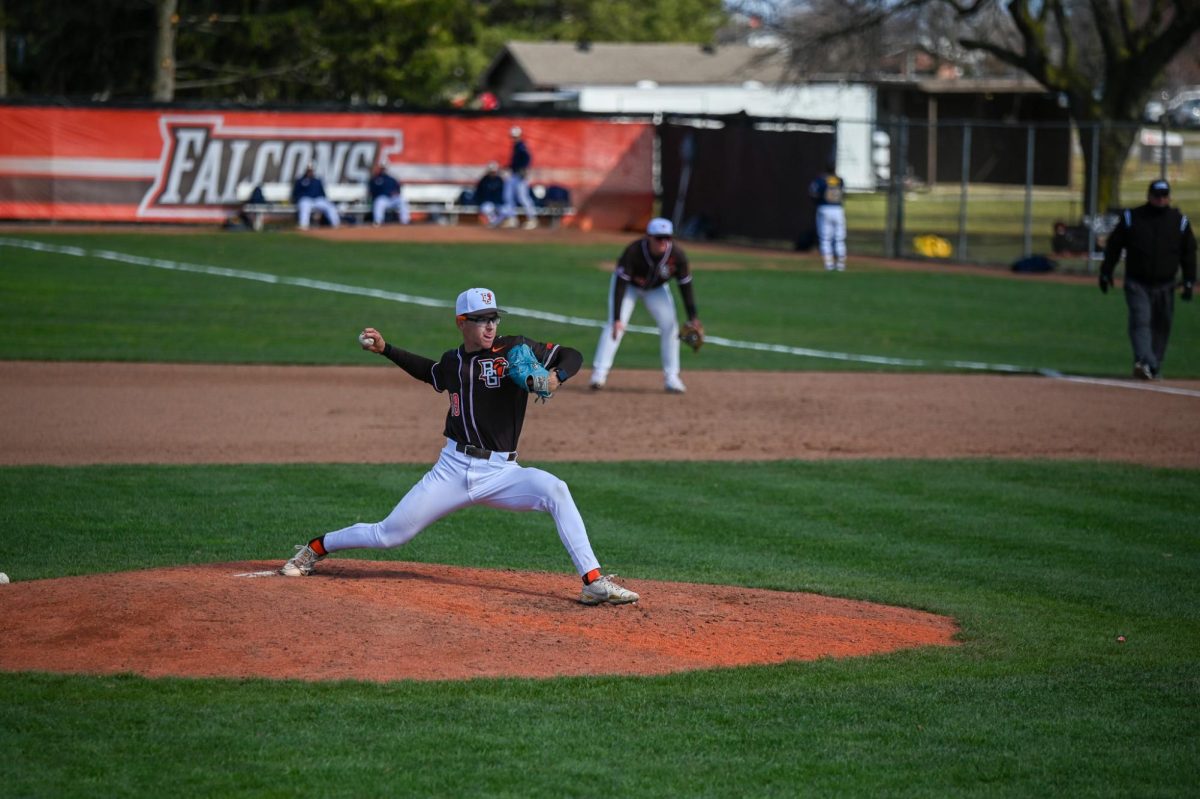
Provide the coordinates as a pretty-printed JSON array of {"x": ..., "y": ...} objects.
[{"x": 1142, "y": 371}]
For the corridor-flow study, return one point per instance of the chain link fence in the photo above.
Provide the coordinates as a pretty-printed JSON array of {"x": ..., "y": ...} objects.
[{"x": 999, "y": 193}]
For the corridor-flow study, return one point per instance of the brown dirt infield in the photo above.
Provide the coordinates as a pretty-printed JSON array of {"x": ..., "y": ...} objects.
[{"x": 389, "y": 620}]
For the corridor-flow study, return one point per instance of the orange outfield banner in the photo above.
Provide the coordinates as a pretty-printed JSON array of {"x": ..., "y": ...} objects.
[{"x": 83, "y": 164}]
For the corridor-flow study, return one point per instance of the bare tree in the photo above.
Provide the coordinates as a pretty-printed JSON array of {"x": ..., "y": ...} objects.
[
  {"x": 3, "y": 53},
  {"x": 1103, "y": 57},
  {"x": 164, "y": 51}
]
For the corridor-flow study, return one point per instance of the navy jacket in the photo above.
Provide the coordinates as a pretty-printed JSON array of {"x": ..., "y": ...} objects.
[
  {"x": 308, "y": 187},
  {"x": 383, "y": 185},
  {"x": 1158, "y": 242}
]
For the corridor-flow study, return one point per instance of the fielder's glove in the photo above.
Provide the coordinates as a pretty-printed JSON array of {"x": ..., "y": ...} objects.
[
  {"x": 528, "y": 373},
  {"x": 1186, "y": 296},
  {"x": 692, "y": 334},
  {"x": 1106, "y": 282}
]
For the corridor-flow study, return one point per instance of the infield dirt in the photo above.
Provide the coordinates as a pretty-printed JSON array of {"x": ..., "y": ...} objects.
[{"x": 390, "y": 620}]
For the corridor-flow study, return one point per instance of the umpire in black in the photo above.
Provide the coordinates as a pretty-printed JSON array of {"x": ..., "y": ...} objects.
[{"x": 1158, "y": 241}]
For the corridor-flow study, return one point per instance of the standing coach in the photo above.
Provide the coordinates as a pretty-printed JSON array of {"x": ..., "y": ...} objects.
[{"x": 1158, "y": 241}]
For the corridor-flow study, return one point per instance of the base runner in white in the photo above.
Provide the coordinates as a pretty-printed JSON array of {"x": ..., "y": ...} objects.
[
  {"x": 478, "y": 465},
  {"x": 643, "y": 272},
  {"x": 828, "y": 192}
]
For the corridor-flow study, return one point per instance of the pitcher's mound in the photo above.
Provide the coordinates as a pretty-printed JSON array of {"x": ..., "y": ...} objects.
[{"x": 380, "y": 621}]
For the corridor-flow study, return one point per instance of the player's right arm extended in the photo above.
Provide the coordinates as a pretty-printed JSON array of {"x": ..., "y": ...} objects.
[{"x": 418, "y": 366}]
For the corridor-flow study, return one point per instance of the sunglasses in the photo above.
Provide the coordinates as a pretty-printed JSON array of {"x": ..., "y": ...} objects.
[
  {"x": 661, "y": 238},
  {"x": 483, "y": 320}
]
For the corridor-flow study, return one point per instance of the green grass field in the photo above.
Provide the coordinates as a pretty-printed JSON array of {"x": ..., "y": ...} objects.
[
  {"x": 88, "y": 308},
  {"x": 1043, "y": 564}
]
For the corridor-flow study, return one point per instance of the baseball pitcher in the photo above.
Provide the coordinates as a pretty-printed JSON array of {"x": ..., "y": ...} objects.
[{"x": 488, "y": 381}]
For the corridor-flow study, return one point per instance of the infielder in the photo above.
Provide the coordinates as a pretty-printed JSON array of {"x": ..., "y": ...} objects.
[
  {"x": 308, "y": 194},
  {"x": 828, "y": 190},
  {"x": 385, "y": 194},
  {"x": 478, "y": 465},
  {"x": 642, "y": 273}
]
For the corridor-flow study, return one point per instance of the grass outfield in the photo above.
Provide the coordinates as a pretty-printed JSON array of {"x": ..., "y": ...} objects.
[
  {"x": 54, "y": 306},
  {"x": 1043, "y": 564},
  {"x": 1037, "y": 561}
]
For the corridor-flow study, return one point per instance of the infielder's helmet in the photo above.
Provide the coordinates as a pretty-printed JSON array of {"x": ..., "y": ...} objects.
[{"x": 660, "y": 227}]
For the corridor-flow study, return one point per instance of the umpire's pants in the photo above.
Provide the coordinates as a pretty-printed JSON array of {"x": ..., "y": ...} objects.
[{"x": 1151, "y": 309}]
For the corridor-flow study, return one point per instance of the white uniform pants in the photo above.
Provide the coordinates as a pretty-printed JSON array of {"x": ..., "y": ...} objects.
[
  {"x": 661, "y": 306},
  {"x": 831, "y": 233},
  {"x": 384, "y": 204},
  {"x": 516, "y": 190},
  {"x": 306, "y": 205},
  {"x": 458, "y": 481}
]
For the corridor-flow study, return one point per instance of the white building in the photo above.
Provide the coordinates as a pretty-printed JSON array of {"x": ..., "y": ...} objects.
[{"x": 617, "y": 78}]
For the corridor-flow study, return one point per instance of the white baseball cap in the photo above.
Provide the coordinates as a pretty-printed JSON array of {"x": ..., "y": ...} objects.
[
  {"x": 515, "y": 132},
  {"x": 473, "y": 301},
  {"x": 660, "y": 227}
]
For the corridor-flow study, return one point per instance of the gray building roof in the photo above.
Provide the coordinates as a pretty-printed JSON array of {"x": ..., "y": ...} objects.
[{"x": 563, "y": 64}]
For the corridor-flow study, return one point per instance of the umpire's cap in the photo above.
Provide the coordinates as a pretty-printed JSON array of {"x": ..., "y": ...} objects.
[{"x": 1159, "y": 188}]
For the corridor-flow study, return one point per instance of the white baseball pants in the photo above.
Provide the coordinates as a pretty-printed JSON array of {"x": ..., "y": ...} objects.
[
  {"x": 384, "y": 204},
  {"x": 306, "y": 205},
  {"x": 661, "y": 305},
  {"x": 831, "y": 233},
  {"x": 458, "y": 481}
]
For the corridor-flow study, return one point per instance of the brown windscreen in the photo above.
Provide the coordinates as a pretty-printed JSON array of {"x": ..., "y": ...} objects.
[{"x": 745, "y": 178}]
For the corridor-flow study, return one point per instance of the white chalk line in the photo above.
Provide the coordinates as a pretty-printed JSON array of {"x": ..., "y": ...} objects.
[{"x": 578, "y": 321}]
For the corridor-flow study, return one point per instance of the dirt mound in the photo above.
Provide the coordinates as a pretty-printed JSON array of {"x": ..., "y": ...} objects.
[{"x": 381, "y": 621}]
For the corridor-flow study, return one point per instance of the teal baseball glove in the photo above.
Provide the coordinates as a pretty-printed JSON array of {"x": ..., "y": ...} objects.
[{"x": 528, "y": 373}]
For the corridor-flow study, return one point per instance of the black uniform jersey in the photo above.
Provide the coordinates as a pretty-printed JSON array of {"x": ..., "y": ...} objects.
[
  {"x": 638, "y": 267},
  {"x": 1157, "y": 242},
  {"x": 487, "y": 409}
]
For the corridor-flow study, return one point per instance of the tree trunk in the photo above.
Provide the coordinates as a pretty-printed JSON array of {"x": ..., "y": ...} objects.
[
  {"x": 164, "y": 51},
  {"x": 3, "y": 54},
  {"x": 1111, "y": 151}
]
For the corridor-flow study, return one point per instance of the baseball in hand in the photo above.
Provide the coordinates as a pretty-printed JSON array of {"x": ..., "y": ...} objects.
[{"x": 366, "y": 341}]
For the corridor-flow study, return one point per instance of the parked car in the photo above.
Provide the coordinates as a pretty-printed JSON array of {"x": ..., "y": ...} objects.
[{"x": 1186, "y": 114}]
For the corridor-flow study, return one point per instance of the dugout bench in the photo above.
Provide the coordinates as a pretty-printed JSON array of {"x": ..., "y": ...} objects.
[{"x": 435, "y": 202}]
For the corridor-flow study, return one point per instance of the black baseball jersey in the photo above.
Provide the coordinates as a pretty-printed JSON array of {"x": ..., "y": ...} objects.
[
  {"x": 487, "y": 409},
  {"x": 638, "y": 267}
]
